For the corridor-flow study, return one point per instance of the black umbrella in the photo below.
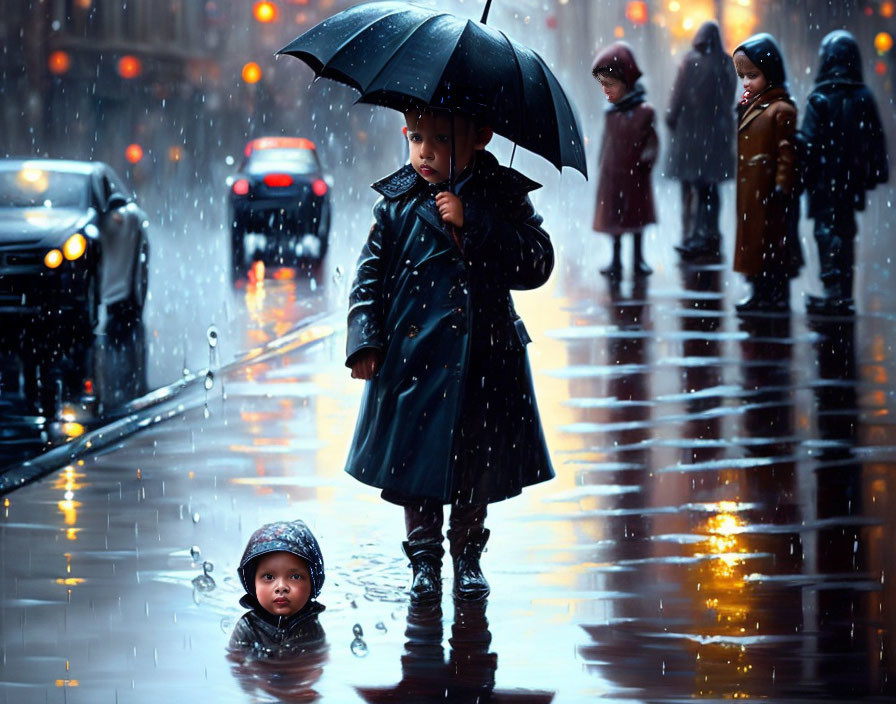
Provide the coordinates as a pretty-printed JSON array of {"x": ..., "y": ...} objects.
[{"x": 400, "y": 56}]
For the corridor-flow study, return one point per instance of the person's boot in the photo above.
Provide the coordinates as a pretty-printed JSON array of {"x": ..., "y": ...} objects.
[
  {"x": 426, "y": 561},
  {"x": 614, "y": 269},
  {"x": 466, "y": 550},
  {"x": 754, "y": 301},
  {"x": 640, "y": 266}
]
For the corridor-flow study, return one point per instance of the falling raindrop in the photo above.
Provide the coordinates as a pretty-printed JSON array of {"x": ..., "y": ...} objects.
[
  {"x": 380, "y": 626},
  {"x": 209, "y": 380},
  {"x": 338, "y": 274},
  {"x": 357, "y": 631},
  {"x": 212, "y": 335},
  {"x": 195, "y": 553},
  {"x": 196, "y": 517}
]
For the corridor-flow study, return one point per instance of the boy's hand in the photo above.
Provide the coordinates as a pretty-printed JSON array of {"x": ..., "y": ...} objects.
[
  {"x": 450, "y": 208},
  {"x": 366, "y": 365}
]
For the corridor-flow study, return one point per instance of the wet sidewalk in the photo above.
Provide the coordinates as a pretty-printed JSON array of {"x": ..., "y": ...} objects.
[{"x": 718, "y": 528}]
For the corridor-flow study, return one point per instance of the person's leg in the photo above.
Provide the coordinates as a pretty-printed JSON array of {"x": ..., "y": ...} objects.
[
  {"x": 423, "y": 521},
  {"x": 467, "y": 536},
  {"x": 614, "y": 270},
  {"x": 640, "y": 266},
  {"x": 687, "y": 212}
]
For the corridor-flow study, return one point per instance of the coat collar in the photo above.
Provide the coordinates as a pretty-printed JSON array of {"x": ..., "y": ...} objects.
[
  {"x": 485, "y": 170},
  {"x": 310, "y": 610},
  {"x": 762, "y": 101}
]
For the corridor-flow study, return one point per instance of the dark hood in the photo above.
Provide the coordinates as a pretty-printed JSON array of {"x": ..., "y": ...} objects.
[
  {"x": 839, "y": 59},
  {"x": 293, "y": 537},
  {"x": 708, "y": 39},
  {"x": 618, "y": 60},
  {"x": 763, "y": 50}
]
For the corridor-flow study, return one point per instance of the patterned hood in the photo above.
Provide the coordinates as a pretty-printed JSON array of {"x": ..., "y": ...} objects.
[{"x": 293, "y": 537}]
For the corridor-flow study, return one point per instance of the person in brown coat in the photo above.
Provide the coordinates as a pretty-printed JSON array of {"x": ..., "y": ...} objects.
[
  {"x": 627, "y": 154},
  {"x": 701, "y": 146},
  {"x": 766, "y": 249}
]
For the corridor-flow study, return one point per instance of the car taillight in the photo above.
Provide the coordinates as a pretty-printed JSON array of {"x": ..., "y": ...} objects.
[
  {"x": 241, "y": 187},
  {"x": 319, "y": 187},
  {"x": 278, "y": 180}
]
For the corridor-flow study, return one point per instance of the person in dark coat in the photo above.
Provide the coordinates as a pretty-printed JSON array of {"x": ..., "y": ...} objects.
[
  {"x": 628, "y": 151},
  {"x": 448, "y": 414},
  {"x": 282, "y": 571},
  {"x": 701, "y": 145},
  {"x": 767, "y": 249},
  {"x": 845, "y": 154}
]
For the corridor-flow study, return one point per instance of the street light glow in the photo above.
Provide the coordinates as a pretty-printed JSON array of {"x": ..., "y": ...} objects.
[
  {"x": 251, "y": 72},
  {"x": 264, "y": 11}
]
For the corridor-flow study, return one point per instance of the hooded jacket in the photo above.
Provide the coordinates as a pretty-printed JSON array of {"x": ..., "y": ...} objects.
[
  {"x": 452, "y": 406},
  {"x": 845, "y": 150},
  {"x": 767, "y": 174},
  {"x": 629, "y": 147},
  {"x": 700, "y": 121},
  {"x": 261, "y": 632}
]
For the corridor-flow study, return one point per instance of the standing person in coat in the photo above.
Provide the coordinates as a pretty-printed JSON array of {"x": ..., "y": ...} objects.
[
  {"x": 701, "y": 146},
  {"x": 627, "y": 153},
  {"x": 448, "y": 414},
  {"x": 766, "y": 249},
  {"x": 845, "y": 154}
]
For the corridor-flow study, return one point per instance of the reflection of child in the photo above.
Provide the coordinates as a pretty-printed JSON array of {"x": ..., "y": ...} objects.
[
  {"x": 628, "y": 151},
  {"x": 845, "y": 155},
  {"x": 448, "y": 413},
  {"x": 282, "y": 571},
  {"x": 767, "y": 250}
]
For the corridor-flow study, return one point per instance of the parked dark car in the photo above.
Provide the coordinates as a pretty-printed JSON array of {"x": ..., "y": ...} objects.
[
  {"x": 279, "y": 203},
  {"x": 71, "y": 239}
]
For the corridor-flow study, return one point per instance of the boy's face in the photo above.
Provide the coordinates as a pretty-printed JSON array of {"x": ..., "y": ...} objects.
[
  {"x": 282, "y": 583},
  {"x": 429, "y": 141},
  {"x": 753, "y": 78},
  {"x": 614, "y": 89}
]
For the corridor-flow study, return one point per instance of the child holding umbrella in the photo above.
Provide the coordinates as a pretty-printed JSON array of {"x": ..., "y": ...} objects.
[{"x": 448, "y": 414}]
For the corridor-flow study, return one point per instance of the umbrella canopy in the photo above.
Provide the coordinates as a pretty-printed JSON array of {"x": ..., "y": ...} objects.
[{"x": 400, "y": 55}]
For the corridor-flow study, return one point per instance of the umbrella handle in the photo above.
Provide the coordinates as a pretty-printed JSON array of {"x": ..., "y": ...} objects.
[
  {"x": 488, "y": 5},
  {"x": 451, "y": 160}
]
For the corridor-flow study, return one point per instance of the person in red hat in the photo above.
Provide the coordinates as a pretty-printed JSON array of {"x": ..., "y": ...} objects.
[{"x": 628, "y": 152}]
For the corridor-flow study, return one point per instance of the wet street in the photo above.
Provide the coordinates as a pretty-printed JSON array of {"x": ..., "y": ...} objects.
[{"x": 719, "y": 526}]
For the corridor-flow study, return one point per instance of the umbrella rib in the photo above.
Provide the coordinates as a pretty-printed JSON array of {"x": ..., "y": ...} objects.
[
  {"x": 346, "y": 44},
  {"x": 519, "y": 74},
  {"x": 404, "y": 41}
]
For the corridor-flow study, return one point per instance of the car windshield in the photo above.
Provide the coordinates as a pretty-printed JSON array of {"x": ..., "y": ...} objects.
[
  {"x": 32, "y": 186},
  {"x": 296, "y": 161}
]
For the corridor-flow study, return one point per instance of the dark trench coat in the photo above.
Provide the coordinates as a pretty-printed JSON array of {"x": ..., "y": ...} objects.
[
  {"x": 700, "y": 119},
  {"x": 845, "y": 151},
  {"x": 451, "y": 413}
]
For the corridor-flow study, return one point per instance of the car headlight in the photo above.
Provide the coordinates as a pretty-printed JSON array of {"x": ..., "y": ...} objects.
[
  {"x": 53, "y": 259},
  {"x": 74, "y": 246}
]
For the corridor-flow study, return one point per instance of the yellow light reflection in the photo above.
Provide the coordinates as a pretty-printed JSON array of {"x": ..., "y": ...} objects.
[{"x": 67, "y": 683}]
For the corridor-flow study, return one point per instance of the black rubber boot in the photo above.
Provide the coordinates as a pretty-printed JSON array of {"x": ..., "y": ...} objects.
[
  {"x": 640, "y": 266},
  {"x": 466, "y": 549},
  {"x": 426, "y": 561},
  {"x": 614, "y": 270}
]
